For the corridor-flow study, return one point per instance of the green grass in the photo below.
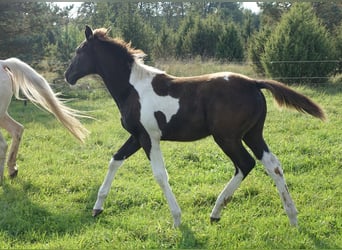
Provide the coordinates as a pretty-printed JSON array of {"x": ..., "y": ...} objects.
[{"x": 49, "y": 204}]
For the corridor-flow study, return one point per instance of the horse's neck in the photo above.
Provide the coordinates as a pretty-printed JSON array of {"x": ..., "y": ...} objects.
[
  {"x": 140, "y": 72},
  {"x": 139, "y": 77},
  {"x": 142, "y": 75}
]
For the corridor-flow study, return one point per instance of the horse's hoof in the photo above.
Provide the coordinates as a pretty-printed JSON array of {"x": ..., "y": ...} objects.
[
  {"x": 96, "y": 212},
  {"x": 214, "y": 220},
  {"x": 14, "y": 174}
]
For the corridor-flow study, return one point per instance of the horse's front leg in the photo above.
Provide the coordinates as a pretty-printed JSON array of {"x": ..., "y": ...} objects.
[
  {"x": 130, "y": 147},
  {"x": 16, "y": 130},
  {"x": 161, "y": 176},
  {"x": 3, "y": 150}
]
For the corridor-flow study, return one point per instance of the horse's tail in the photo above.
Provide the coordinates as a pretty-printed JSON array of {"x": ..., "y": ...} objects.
[
  {"x": 286, "y": 96},
  {"x": 38, "y": 91}
]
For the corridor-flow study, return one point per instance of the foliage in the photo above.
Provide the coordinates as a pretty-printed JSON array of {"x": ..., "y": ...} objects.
[
  {"x": 330, "y": 13},
  {"x": 257, "y": 48},
  {"x": 218, "y": 30},
  {"x": 209, "y": 38},
  {"x": 48, "y": 206},
  {"x": 134, "y": 29},
  {"x": 165, "y": 43},
  {"x": 26, "y": 28},
  {"x": 338, "y": 44},
  {"x": 299, "y": 37},
  {"x": 230, "y": 46},
  {"x": 272, "y": 12}
]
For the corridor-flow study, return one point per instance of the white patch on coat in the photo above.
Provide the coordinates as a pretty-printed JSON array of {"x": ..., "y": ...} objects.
[
  {"x": 141, "y": 78},
  {"x": 224, "y": 75}
]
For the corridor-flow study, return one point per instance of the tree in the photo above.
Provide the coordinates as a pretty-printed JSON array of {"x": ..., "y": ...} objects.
[
  {"x": 338, "y": 45},
  {"x": 329, "y": 12},
  {"x": 165, "y": 43},
  {"x": 188, "y": 23},
  {"x": 256, "y": 48},
  {"x": 299, "y": 37},
  {"x": 230, "y": 46},
  {"x": 272, "y": 12},
  {"x": 135, "y": 29},
  {"x": 202, "y": 39},
  {"x": 27, "y": 28}
]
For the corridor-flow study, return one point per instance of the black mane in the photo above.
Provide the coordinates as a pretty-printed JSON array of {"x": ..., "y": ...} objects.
[{"x": 102, "y": 35}]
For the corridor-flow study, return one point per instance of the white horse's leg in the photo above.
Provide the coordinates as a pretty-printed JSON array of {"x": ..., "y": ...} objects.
[
  {"x": 105, "y": 187},
  {"x": 130, "y": 147},
  {"x": 273, "y": 168},
  {"x": 226, "y": 196},
  {"x": 16, "y": 130},
  {"x": 161, "y": 176},
  {"x": 3, "y": 150}
]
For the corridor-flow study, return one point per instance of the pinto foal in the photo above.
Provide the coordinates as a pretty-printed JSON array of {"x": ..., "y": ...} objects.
[{"x": 156, "y": 106}]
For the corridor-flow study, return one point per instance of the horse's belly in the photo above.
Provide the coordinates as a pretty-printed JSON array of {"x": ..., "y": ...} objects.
[
  {"x": 183, "y": 130},
  {"x": 5, "y": 91}
]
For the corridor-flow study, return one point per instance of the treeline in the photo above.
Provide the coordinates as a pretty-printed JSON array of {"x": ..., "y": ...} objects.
[{"x": 45, "y": 33}]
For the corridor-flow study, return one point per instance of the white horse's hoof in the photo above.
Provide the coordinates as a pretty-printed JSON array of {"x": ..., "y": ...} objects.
[
  {"x": 96, "y": 212},
  {"x": 214, "y": 220},
  {"x": 14, "y": 174}
]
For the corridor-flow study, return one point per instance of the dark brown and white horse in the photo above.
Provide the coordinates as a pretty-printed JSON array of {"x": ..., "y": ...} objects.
[{"x": 156, "y": 106}]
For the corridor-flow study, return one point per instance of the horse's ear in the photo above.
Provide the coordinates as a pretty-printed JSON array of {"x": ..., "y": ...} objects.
[{"x": 88, "y": 33}]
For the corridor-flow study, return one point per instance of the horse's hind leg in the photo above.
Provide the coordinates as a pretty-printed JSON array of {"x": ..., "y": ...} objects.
[
  {"x": 272, "y": 165},
  {"x": 3, "y": 150},
  {"x": 243, "y": 162},
  {"x": 16, "y": 130},
  {"x": 273, "y": 168}
]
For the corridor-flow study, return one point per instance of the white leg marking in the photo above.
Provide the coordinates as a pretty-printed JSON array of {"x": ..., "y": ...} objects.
[
  {"x": 161, "y": 176},
  {"x": 105, "y": 187},
  {"x": 226, "y": 195},
  {"x": 3, "y": 150},
  {"x": 273, "y": 168}
]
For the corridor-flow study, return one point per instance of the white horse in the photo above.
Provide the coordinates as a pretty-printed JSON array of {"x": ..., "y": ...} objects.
[{"x": 16, "y": 75}]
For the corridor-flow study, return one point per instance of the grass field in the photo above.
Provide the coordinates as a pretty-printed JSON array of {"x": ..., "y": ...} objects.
[{"x": 49, "y": 204}]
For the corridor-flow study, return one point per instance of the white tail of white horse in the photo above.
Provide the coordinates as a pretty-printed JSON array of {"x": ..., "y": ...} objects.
[{"x": 38, "y": 91}]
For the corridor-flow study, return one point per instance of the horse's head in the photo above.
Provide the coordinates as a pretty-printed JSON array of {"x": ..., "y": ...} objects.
[
  {"x": 102, "y": 55},
  {"x": 84, "y": 62}
]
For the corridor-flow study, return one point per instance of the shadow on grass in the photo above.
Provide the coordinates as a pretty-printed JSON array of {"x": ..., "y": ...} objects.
[
  {"x": 319, "y": 243},
  {"x": 189, "y": 241},
  {"x": 24, "y": 221}
]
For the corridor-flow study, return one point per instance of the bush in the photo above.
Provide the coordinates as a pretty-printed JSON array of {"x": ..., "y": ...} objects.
[
  {"x": 165, "y": 43},
  {"x": 230, "y": 46},
  {"x": 338, "y": 45},
  {"x": 256, "y": 48},
  {"x": 299, "y": 37},
  {"x": 209, "y": 38},
  {"x": 133, "y": 28}
]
